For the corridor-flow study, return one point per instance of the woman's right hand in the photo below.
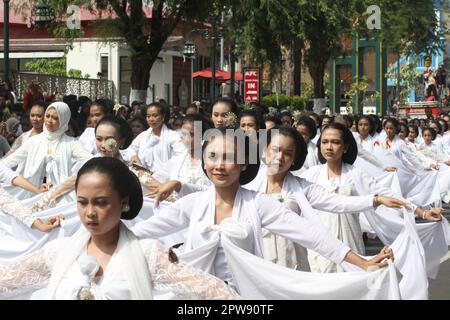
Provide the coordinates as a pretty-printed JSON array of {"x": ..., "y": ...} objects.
[
  {"x": 135, "y": 159},
  {"x": 380, "y": 260},
  {"x": 49, "y": 224},
  {"x": 390, "y": 202}
]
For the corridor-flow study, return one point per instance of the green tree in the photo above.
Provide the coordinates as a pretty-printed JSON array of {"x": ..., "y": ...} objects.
[{"x": 54, "y": 67}]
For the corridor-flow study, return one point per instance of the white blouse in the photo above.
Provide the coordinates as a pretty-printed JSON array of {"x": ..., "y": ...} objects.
[
  {"x": 34, "y": 272},
  {"x": 67, "y": 144},
  {"x": 87, "y": 140},
  {"x": 154, "y": 151},
  {"x": 250, "y": 208}
]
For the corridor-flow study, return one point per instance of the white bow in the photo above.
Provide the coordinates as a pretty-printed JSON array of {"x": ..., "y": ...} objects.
[{"x": 229, "y": 228}]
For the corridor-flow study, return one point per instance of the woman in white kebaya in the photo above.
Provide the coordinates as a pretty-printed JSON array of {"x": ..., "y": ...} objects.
[
  {"x": 338, "y": 151},
  {"x": 307, "y": 128},
  {"x": 285, "y": 153},
  {"x": 228, "y": 208},
  {"x": 155, "y": 146},
  {"x": 37, "y": 112},
  {"x": 418, "y": 184},
  {"x": 97, "y": 111},
  {"x": 50, "y": 154},
  {"x": 183, "y": 173},
  {"x": 104, "y": 260},
  {"x": 17, "y": 239}
]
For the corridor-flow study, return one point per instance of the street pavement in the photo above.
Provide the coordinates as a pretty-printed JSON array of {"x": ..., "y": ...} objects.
[{"x": 439, "y": 288}]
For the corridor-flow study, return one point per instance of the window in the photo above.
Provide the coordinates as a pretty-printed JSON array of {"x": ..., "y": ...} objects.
[
  {"x": 167, "y": 92},
  {"x": 104, "y": 67},
  {"x": 125, "y": 77}
]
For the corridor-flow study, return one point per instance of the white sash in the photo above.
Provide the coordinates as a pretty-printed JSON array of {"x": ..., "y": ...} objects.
[{"x": 129, "y": 253}]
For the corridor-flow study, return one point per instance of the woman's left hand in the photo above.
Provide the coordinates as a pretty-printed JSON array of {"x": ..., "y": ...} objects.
[{"x": 434, "y": 214}]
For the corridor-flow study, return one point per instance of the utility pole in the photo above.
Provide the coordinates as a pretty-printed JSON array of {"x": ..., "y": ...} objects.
[
  {"x": 6, "y": 40},
  {"x": 213, "y": 64}
]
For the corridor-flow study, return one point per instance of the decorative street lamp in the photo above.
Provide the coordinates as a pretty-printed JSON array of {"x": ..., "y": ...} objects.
[
  {"x": 189, "y": 49},
  {"x": 42, "y": 14}
]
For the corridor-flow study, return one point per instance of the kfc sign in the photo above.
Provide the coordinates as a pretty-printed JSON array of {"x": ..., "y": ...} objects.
[{"x": 251, "y": 85}]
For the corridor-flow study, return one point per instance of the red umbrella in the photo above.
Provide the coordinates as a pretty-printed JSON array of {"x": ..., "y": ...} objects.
[
  {"x": 237, "y": 75},
  {"x": 207, "y": 73}
]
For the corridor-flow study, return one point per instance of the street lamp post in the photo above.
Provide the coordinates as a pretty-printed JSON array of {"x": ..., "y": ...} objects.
[
  {"x": 213, "y": 64},
  {"x": 6, "y": 39}
]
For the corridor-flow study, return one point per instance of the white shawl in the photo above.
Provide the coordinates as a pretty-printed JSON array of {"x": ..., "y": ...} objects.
[
  {"x": 156, "y": 151},
  {"x": 38, "y": 155},
  {"x": 128, "y": 251}
]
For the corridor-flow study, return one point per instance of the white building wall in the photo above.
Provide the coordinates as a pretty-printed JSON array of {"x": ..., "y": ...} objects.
[
  {"x": 160, "y": 75},
  {"x": 86, "y": 56}
]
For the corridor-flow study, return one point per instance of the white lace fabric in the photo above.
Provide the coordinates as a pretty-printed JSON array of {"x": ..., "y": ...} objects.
[
  {"x": 186, "y": 281},
  {"x": 29, "y": 274},
  {"x": 13, "y": 207}
]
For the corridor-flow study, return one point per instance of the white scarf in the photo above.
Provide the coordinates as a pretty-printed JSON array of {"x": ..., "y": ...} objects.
[
  {"x": 290, "y": 189},
  {"x": 156, "y": 151},
  {"x": 38, "y": 156},
  {"x": 129, "y": 254}
]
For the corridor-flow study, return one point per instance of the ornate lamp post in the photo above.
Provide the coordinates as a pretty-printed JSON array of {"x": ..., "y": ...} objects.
[
  {"x": 189, "y": 49},
  {"x": 42, "y": 14}
]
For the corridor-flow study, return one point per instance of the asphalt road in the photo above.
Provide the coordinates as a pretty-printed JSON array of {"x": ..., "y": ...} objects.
[{"x": 439, "y": 288}]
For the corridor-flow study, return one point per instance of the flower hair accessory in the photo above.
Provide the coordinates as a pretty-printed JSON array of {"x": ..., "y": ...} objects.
[
  {"x": 231, "y": 120},
  {"x": 110, "y": 145}
]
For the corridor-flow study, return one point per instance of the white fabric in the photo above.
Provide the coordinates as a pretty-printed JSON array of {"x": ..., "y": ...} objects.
[
  {"x": 155, "y": 151},
  {"x": 87, "y": 140},
  {"x": 49, "y": 154},
  {"x": 418, "y": 186},
  {"x": 6, "y": 174},
  {"x": 256, "y": 278},
  {"x": 176, "y": 280},
  {"x": 128, "y": 251}
]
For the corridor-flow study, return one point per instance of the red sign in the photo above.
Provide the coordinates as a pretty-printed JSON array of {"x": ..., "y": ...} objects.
[{"x": 251, "y": 85}]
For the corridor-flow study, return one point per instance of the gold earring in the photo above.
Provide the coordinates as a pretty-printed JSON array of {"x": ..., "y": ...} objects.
[
  {"x": 244, "y": 168},
  {"x": 125, "y": 208}
]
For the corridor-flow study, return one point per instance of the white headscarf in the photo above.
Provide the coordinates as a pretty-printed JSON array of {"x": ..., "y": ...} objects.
[
  {"x": 39, "y": 160},
  {"x": 63, "y": 111}
]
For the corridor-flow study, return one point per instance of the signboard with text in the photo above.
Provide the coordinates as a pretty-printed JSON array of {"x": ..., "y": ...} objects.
[{"x": 251, "y": 85}]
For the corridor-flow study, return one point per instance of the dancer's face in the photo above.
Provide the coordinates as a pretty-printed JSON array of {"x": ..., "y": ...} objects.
[
  {"x": 304, "y": 131},
  {"x": 220, "y": 161},
  {"x": 99, "y": 205},
  {"x": 37, "y": 118},
  {"x": 427, "y": 137},
  {"x": 412, "y": 134},
  {"x": 155, "y": 118},
  {"x": 363, "y": 127},
  {"x": 248, "y": 124},
  {"x": 137, "y": 128},
  {"x": 332, "y": 145},
  {"x": 187, "y": 135},
  {"x": 51, "y": 120},
  {"x": 390, "y": 130},
  {"x": 96, "y": 114},
  {"x": 280, "y": 154},
  {"x": 219, "y": 114},
  {"x": 402, "y": 133},
  {"x": 104, "y": 132}
]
